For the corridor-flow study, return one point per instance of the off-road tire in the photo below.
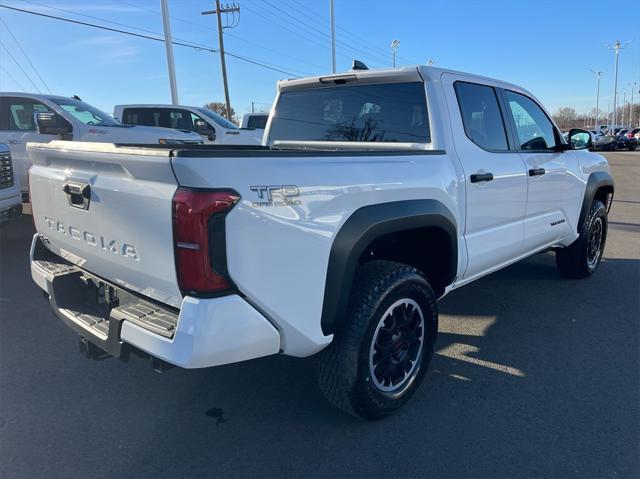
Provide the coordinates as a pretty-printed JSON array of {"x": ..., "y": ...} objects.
[
  {"x": 344, "y": 371},
  {"x": 576, "y": 261}
]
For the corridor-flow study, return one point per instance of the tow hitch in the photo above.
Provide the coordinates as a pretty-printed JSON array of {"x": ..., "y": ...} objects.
[{"x": 90, "y": 350}]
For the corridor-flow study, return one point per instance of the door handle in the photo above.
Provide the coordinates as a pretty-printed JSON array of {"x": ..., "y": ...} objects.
[
  {"x": 537, "y": 171},
  {"x": 478, "y": 177}
]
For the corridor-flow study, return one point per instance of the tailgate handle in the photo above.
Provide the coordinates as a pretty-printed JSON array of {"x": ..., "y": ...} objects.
[{"x": 78, "y": 194}]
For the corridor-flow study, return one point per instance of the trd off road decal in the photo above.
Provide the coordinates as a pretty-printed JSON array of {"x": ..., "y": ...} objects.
[{"x": 276, "y": 195}]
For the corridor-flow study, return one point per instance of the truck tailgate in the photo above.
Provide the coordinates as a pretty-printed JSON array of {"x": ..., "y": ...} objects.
[{"x": 108, "y": 210}]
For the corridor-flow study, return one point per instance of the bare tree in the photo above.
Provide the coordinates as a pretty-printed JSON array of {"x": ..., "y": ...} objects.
[
  {"x": 221, "y": 109},
  {"x": 564, "y": 117}
]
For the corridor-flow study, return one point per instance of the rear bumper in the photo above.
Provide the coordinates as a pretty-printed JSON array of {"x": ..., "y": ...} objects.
[{"x": 204, "y": 332}]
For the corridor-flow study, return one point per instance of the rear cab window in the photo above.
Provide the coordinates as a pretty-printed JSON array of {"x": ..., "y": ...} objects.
[
  {"x": 257, "y": 122},
  {"x": 387, "y": 112}
]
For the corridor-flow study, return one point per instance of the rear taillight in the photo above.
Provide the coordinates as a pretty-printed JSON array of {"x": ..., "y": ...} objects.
[
  {"x": 629, "y": 135},
  {"x": 199, "y": 239}
]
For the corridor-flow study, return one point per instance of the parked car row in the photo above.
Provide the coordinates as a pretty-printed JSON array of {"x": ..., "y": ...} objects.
[
  {"x": 28, "y": 117},
  {"x": 626, "y": 139}
]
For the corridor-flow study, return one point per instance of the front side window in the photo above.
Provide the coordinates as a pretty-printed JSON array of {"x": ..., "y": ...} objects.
[
  {"x": 180, "y": 120},
  {"x": 217, "y": 119},
  {"x": 18, "y": 113},
  {"x": 483, "y": 122},
  {"x": 535, "y": 130},
  {"x": 388, "y": 112},
  {"x": 84, "y": 112}
]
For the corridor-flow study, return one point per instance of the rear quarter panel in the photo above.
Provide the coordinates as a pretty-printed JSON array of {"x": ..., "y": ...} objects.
[{"x": 278, "y": 250}]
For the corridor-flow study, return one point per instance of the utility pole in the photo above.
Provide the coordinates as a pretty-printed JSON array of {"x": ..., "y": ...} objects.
[
  {"x": 394, "y": 47},
  {"x": 597, "y": 74},
  {"x": 333, "y": 37},
  {"x": 168, "y": 44},
  {"x": 616, "y": 48},
  {"x": 218, "y": 12}
]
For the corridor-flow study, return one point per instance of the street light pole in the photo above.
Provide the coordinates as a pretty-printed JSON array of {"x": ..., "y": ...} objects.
[
  {"x": 168, "y": 44},
  {"x": 633, "y": 87},
  {"x": 616, "y": 48},
  {"x": 333, "y": 37},
  {"x": 394, "y": 47},
  {"x": 597, "y": 74}
]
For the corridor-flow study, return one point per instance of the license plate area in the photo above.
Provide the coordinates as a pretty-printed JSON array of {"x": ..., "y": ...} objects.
[
  {"x": 94, "y": 308},
  {"x": 86, "y": 300}
]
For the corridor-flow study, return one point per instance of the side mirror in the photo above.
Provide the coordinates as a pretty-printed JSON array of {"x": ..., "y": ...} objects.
[
  {"x": 50, "y": 123},
  {"x": 203, "y": 128},
  {"x": 580, "y": 139}
]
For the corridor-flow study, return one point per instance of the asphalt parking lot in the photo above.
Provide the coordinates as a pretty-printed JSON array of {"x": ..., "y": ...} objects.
[{"x": 535, "y": 376}]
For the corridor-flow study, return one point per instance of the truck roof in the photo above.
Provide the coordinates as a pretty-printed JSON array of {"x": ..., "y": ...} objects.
[
  {"x": 153, "y": 105},
  {"x": 34, "y": 96},
  {"x": 406, "y": 73}
]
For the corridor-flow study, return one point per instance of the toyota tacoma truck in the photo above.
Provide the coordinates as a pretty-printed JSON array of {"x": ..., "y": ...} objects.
[{"x": 374, "y": 194}]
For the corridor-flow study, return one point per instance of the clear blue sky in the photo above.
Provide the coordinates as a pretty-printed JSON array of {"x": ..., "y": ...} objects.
[{"x": 546, "y": 46}]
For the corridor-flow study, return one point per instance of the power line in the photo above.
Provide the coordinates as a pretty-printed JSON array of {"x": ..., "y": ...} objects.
[
  {"x": 112, "y": 22},
  {"x": 381, "y": 52},
  {"x": 25, "y": 54},
  {"x": 374, "y": 49},
  {"x": 283, "y": 23},
  {"x": 20, "y": 67},
  {"x": 148, "y": 37},
  {"x": 11, "y": 77},
  {"x": 324, "y": 35},
  {"x": 285, "y": 27},
  {"x": 237, "y": 37}
]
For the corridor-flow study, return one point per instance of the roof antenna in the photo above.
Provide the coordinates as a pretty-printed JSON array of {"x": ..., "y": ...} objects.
[
  {"x": 76, "y": 97},
  {"x": 358, "y": 65}
]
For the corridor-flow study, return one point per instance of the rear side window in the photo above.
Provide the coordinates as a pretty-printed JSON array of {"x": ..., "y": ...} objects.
[
  {"x": 389, "y": 112},
  {"x": 140, "y": 116},
  {"x": 257, "y": 122},
  {"x": 481, "y": 116},
  {"x": 164, "y": 117}
]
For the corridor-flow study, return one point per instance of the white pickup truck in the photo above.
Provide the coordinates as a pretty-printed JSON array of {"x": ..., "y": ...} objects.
[
  {"x": 378, "y": 193},
  {"x": 213, "y": 128},
  {"x": 71, "y": 119},
  {"x": 10, "y": 198}
]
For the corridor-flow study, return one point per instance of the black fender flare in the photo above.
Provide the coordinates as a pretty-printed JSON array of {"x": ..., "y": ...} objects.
[
  {"x": 596, "y": 180},
  {"x": 364, "y": 226}
]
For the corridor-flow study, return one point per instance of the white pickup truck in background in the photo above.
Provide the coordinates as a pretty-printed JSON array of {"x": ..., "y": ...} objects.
[
  {"x": 256, "y": 121},
  {"x": 69, "y": 119},
  {"x": 213, "y": 128},
  {"x": 378, "y": 193}
]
